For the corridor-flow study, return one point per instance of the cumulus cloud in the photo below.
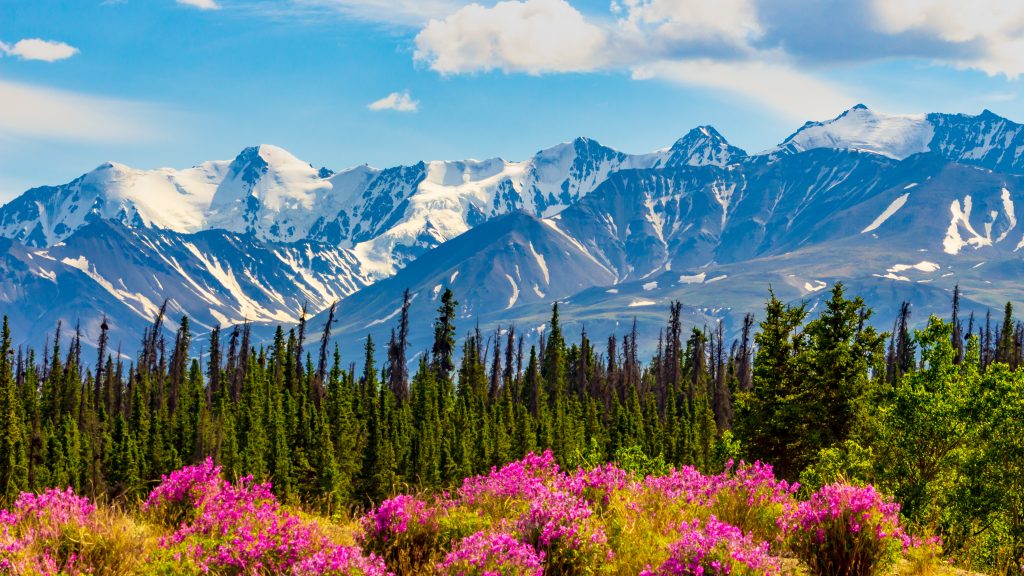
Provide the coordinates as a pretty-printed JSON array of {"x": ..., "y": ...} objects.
[
  {"x": 397, "y": 101},
  {"x": 773, "y": 51},
  {"x": 38, "y": 49},
  {"x": 690, "y": 42},
  {"x": 36, "y": 113},
  {"x": 532, "y": 36},
  {"x": 984, "y": 34},
  {"x": 670, "y": 25},
  {"x": 201, "y": 4}
]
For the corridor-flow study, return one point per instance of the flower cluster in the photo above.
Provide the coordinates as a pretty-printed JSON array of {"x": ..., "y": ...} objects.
[
  {"x": 686, "y": 485},
  {"x": 526, "y": 478},
  {"x": 597, "y": 484},
  {"x": 36, "y": 533},
  {"x": 241, "y": 528},
  {"x": 393, "y": 516},
  {"x": 750, "y": 497},
  {"x": 717, "y": 549},
  {"x": 844, "y": 527},
  {"x": 492, "y": 554},
  {"x": 340, "y": 561}
]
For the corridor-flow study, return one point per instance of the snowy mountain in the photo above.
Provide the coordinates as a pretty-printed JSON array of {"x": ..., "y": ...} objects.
[
  {"x": 386, "y": 217},
  {"x": 985, "y": 140},
  {"x": 895, "y": 205}
]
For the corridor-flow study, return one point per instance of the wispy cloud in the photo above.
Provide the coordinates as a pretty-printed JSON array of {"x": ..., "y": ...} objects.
[
  {"x": 201, "y": 4},
  {"x": 38, "y": 49},
  {"x": 46, "y": 114},
  {"x": 399, "y": 13},
  {"x": 777, "y": 86},
  {"x": 397, "y": 101}
]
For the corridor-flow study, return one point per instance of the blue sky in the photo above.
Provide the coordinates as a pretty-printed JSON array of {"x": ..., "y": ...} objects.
[{"x": 174, "y": 82}]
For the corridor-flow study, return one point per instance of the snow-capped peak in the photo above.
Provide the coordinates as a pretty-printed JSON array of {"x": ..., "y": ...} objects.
[
  {"x": 703, "y": 146},
  {"x": 860, "y": 128}
]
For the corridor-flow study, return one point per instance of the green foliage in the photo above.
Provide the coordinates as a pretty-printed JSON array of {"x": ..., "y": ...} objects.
[
  {"x": 640, "y": 465},
  {"x": 811, "y": 382},
  {"x": 847, "y": 463}
]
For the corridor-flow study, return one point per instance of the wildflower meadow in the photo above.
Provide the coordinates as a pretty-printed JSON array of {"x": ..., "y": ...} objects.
[{"x": 529, "y": 517}]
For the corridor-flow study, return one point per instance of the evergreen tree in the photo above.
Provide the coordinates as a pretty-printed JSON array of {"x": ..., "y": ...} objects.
[{"x": 769, "y": 418}]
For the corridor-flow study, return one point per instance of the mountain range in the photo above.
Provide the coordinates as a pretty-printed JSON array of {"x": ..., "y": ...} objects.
[{"x": 898, "y": 207}]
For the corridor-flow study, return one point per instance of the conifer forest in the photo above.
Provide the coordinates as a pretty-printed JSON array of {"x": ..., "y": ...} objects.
[{"x": 918, "y": 434}]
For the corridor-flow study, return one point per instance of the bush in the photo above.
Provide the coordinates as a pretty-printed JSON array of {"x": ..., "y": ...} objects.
[
  {"x": 923, "y": 557},
  {"x": 845, "y": 531},
  {"x": 492, "y": 553},
  {"x": 563, "y": 526},
  {"x": 749, "y": 497},
  {"x": 639, "y": 464},
  {"x": 240, "y": 528},
  {"x": 58, "y": 532},
  {"x": 404, "y": 531},
  {"x": 717, "y": 549}
]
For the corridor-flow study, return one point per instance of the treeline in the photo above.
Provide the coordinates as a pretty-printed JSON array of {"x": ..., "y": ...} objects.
[{"x": 922, "y": 415}]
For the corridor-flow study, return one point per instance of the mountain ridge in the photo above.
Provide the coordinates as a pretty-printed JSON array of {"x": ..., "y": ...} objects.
[{"x": 254, "y": 238}]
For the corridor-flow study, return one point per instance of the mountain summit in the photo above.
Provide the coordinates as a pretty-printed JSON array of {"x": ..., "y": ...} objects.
[{"x": 703, "y": 146}]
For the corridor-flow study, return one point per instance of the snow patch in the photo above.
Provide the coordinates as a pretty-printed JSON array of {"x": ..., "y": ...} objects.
[
  {"x": 650, "y": 286},
  {"x": 542, "y": 263},
  {"x": 515, "y": 292},
  {"x": 961, "y": 216},
  {"x": 892, "y": 276},
  {"x": 893, "y": 207},
  {"x": 1010, "y": 215},
  {"x": 814, "y": 286},
  {"x": 384, "y": 319},
  {"x": 923, "y": 266},
  {"x": 692, "y": 278},
  {"x": 640, "y": 302},
  {"x": 48, "y": 274}
]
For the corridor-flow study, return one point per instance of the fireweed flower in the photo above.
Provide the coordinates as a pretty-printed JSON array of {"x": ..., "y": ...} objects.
[
  {"x": 492, "y": 554},
  {"x": 715, "y": 548},
  {"x": 393, "y": 516},
  {"x": 34, "y": 534},
  {"x": 524, "y": 478},
  {"x": 847, "y": 528},
  {"x": 242, "y": 529}
]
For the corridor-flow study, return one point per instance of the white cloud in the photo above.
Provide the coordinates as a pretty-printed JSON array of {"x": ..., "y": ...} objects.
[
  {"x": 532, "y": 36},
  {"x": 690, "y": 42},
  {"x": 45, "y": 114},
  {"x": 37, "y": 49},
  {"x": 398, "y": 101},
  {"x": 992, "y": 29},
  {"x": 732, "y": 22},
  {"x": 201, "y": 4}
]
